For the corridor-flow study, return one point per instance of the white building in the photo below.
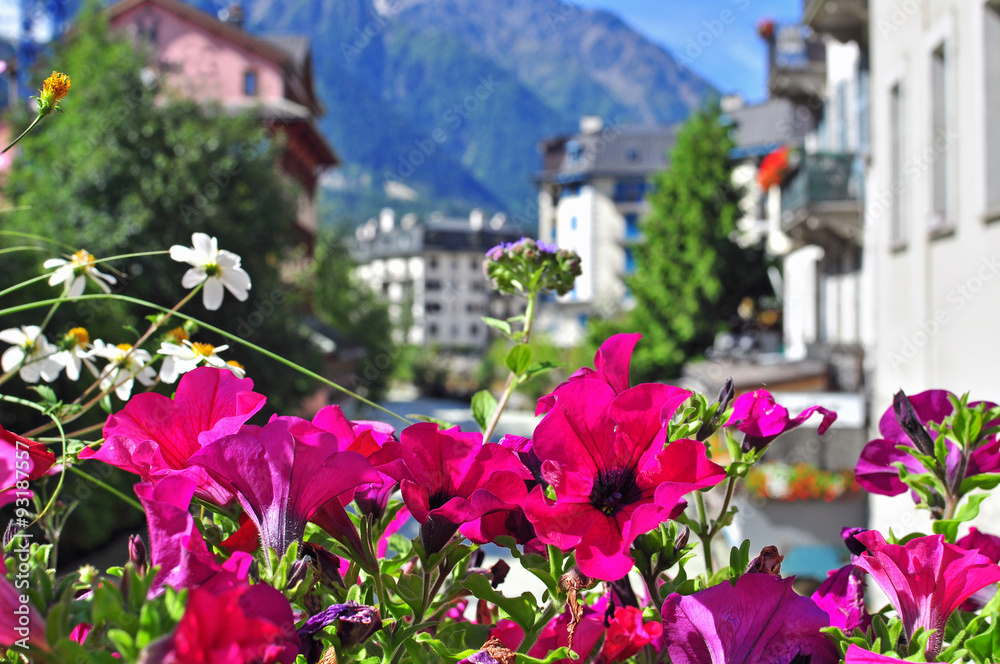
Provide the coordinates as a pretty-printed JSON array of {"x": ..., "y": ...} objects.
[
  {"x": 932, "y": 236},
  {"x": 431, "y": 273},
  {"x": 592, "y": 194}
]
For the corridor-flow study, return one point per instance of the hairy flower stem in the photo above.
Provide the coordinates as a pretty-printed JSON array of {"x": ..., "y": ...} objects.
[
  {"x": 512, "y": 379},
  {"x": 24, "y": 133},
  {"x": 708, "y": 531},
  {"x": 548, "y": 613}
]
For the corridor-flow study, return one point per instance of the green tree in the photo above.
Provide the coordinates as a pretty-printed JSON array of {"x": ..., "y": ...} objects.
[
  {"x": 361, "y": 316},
  {"x": 690, "y": 274},
  {"x": 129, "y": 168}
]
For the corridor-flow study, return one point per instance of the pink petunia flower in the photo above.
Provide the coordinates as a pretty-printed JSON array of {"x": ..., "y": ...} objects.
[
  {"x": 177, "y": 546},
  {"x": 603, "y": 454},
  {"x": 925, "y": 580},
  {"x": 242, "y": 625},
  {"x": 762, "y": 419},
  {"x": 452, "y": 478},
  {"x": 282, "y": 474},
  {"x": 858, "y": 655},
  {"x": 760, "y": 620},
  {"x": 21, "y": 460},
  {"x": 627, "y": 634},
  {"x": 611, "y": 366},
  {"x": 154, "y": 436}
]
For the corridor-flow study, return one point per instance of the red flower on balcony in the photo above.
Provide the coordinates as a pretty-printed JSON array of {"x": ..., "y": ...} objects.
[
  {"x": 765, "y": 28},
  {"x": 773, "y": 167}
]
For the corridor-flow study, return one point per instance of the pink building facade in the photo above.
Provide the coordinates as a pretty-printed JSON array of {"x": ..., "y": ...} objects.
[{"x": 202, "y": 57}]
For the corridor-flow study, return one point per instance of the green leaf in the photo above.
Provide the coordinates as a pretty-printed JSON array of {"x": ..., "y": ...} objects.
[
  {"x": 539, "y": 368},
  {"x": 520, "y": 609},
  {"x": 410, "y": 589},
  {"x": 417, "y": 417},
  {"x": 968, "y": 511},
  {"x": 519, "y": 359},
  {"x": 47, "y": 394},
  {"x": 554, "y": 656},
  {"x": 985, "y": 481},
  {"x": 498, "y": 324},
  {"x": 484, "y": 405}
]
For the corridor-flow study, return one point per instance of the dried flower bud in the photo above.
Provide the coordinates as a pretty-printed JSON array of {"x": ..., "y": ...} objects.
[
  {"x": 575, "y": 580},
  {"x": 768, "y": 562}
]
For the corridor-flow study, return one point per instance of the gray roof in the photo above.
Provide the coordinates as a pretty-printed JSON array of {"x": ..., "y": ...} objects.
[
  {"x": 620, "y": 151},
  {"x": 762, "y": 127},
  {"x": 296, "y": 46}
]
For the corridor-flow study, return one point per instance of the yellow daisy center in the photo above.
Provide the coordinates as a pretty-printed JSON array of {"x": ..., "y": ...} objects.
[
  {"x": 124, "y": 347},
  {"x": 82, "y": 258},
  {"x": 178, "y": 334},
  {"x": 203, "y": 349},
  {"x": 55, "y": 86},
  {"x": 234, "y": 363},
  {"x": 79, "y": 336}
]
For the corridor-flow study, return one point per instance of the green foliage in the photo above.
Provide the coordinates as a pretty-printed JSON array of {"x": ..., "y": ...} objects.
[
  {"x": 362, "y": 317},
  {"x": 691, "y": 276},
  {"x": 127, "y": 168}
]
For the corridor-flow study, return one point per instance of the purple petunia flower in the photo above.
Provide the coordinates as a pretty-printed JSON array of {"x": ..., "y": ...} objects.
[{"x": 760, "y": 620}]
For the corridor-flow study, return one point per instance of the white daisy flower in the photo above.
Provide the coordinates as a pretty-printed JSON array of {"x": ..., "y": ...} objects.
[
  {"x": 32, "y": 352},
  {"x": 186, "y": 356},
  {"x": 124, "y": 368},
  {"x": 78, "y": 268},
  {"x": 216, "y": 268},
  {"x": 238, "y": 370},
  {"x": 76, "y": 350}
]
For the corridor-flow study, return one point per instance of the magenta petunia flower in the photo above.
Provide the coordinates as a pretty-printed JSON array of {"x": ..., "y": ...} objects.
[
  {"x": 283, "y": 473},
  {"x": 243, "y": 625},
  {"x": 858, "y": 655},
  {"x": 628, "y": 634},
  {"x": 760, "y": 620},
  {"x": 176, "y": 545},
  {"x": 925, "y": 580},
  {"x": 603, "y": 454},
  {"x": 875, "y": 470},
  {"x": 986, "y": 544},
  {"x": 21, "y": 460},
  {"x": 611, "y": 366},
  {"x": 154, "y": 436},
  {"x": 762, "y": 419},
  {"x": 452, "y": 478},
  {"x": 842, "y": 596}
]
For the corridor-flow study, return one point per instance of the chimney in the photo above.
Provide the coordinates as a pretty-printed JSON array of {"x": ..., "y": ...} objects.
[
  {"x": 476, "y": 219},
  {"x": 233, "y": 15},
  {"x": 386, "y": 220},
  {"x": 591, "y": 124}
]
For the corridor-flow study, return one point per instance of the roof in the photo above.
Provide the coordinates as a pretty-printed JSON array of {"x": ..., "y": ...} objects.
[
  {"x": 637, "y": 151},
  {"x": 775, "y": 122}
]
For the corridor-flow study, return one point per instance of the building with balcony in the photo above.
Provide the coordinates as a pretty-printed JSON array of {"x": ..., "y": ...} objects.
[
  {"x": 932, "y": 226},
  {"x": 212, "y": 59},
  {"x": 591, "y": 195},
  {"x": 431, "y": 273}
]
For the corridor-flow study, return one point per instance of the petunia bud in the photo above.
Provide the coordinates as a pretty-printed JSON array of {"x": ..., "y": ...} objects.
[
  {"x": 298, "y": 572},
  {"x": 849, "y": 536},
  {"x": 436, "y": 532},
  {"x": 326, "y": 565},
  {"x": 681, "y": 541},
  {"x": 137, "y": 554},
  {"x": 911, "y": 425},
  {"x": 726, "y": 395}
]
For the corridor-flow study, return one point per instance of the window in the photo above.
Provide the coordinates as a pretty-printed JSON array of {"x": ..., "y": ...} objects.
[
  {"x": 897, "y": 110},
  {"x": 474, "y": 330},
  {"x": 632, "y": 155},
  {"x": 629, "y": 261},
  {"x": 842, "y": 116},
  {"x": 250, "y": 83},
  {"x": 940, "y": 139},
  {"x": 432, "y": 330},
  {"x": 433, "y": 285},
  {"x": 992, "y": 139},
  {"x": 432, "y": 263},
  {"x": 432, "y": 307},
  {"x": 572, "y": 224},
  {"x": 630, "y": 191},
  {"x": 631, "y": 226}
]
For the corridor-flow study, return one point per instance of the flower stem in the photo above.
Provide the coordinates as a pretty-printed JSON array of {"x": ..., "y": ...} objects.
[
  {"x": 512, "y": 379},
  {"x": 23, "y": 133}
]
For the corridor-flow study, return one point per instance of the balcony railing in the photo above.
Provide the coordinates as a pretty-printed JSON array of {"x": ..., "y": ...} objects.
[
  {"x": 844, "y": 20},
  {"x": 823, "y": 194}
]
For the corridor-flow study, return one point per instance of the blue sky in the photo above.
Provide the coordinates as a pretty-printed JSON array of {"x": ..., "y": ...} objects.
[{"x": 715, "y": 38}]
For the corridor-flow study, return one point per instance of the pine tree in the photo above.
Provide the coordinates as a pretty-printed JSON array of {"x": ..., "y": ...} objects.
[{"x": 691, "y": 275}]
